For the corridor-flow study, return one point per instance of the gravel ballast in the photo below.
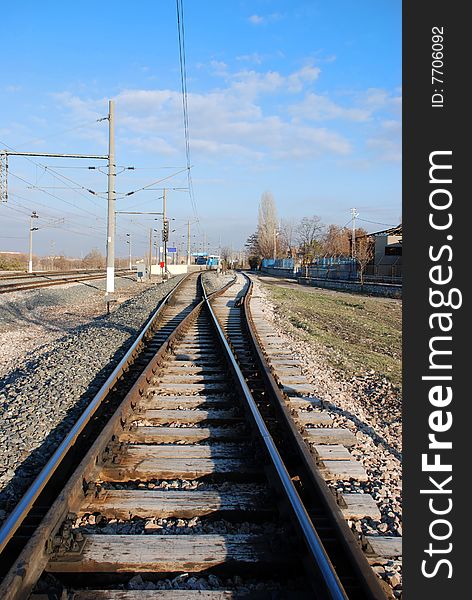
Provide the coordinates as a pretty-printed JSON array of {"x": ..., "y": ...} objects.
[
  {"x": 214, "y": 281},
  {"x": 42, "y": 397},
  {"x": 369, "y": 406}
]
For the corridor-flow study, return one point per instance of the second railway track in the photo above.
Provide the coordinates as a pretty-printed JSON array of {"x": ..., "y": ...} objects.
[
  {"x": 31, "y": 281},
  {"x": 197, "y": 481}
]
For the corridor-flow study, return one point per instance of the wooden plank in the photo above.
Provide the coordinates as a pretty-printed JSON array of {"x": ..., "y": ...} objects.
[
  {"x": 154, "y": 416},
  {"x": 359, "y": 506},
  {"x": 293, "y": 379},
  {"x": 190, "y": 377},
  {"x": 314, "y": 417},
  {"x": 178, "y": 402},
  {"x": 193, "y": 388},
  {"x": 208, "y": 356},
  {"x": 159, "y": 435},
  {"x": 158, "y": 595},
  {"x": 170, "y": 553},
  {"x": 302, "y": 389},
  {"x": 332, "y": 452},
  {"x": 176, "y": 468},
  {"x": 126, "y": 504},
  {"x": 384, "y": 546},
  {"x": 281, "y": 371},
  {"x": 344, "y": 469},
  {"x": 139, "y": 452},
  {"x": 280, "y": 352},
  {"x": 190, "y": 368},
  {"x": 331, "y": 435},
  {"x": 292, "y": 362},
  {"x": 303, "y": 404}
]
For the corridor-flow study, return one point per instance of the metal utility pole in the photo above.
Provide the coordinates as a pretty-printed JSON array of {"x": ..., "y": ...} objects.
[
  {"x": 150, "y": 251},
  {"x": 275, "y": 244},
  {"x": 353, "y": 245},
  {"x": 53, "y": 252},
  {"x": 31, "y": 229},
  {"x": 188, "y": 242},
  {"x": 110, "y": 285},
  {"x": 3, "y": 177},
  {"x": 128, "y": 241},
  {"x": 166, "y": 228}
]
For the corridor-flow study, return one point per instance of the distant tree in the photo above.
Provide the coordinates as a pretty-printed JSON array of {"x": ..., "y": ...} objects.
[
  {"x": 253, "y": 251},
  {"x": 267, "y": 227},
  {"x": 94, "y": 260},
  {"x": 226, "y": 258},
  {"x": 336, "y": 241},
  {"x": 309, "y": 235},
  {"x": 286, "y": 239},
  {"x": 364, "y": 254},
  {"x": 13, "y": 262}
]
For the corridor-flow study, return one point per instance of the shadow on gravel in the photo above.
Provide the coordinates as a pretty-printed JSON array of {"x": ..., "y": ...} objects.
[
  {"x": 26, "y": 472},
  {"x": 367, "y": 429},
  {"x": 100, "y": 323}
]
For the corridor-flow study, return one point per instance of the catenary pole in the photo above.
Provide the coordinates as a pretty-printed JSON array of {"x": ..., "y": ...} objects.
[
  {"x": 150, "y": 251},
  {"x": 353, "y": 246},
  {"x": 165, "y": 240},
  {"x": 188, "y": 242},
  {"x": 31, "y": 229},
  {"x": 110, "y": 284}
]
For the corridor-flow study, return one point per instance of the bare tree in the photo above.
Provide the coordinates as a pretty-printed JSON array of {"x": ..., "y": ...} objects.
[
  {"x": 287, "y": 237},
  {"x": 267, "y": 226},
  {"x": 254, "y": 253},
  {"x": 364, "y": 254},
  {"x": 336, "y": 242},
  {"x": 309, "y": 235},
  {"x": 93, "y": 260},
  {"x": 226, "y": 258}
]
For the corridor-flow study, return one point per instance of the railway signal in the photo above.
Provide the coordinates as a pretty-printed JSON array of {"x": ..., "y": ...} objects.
[
  {"x": 34, "y": 215},
  {"x": 165, "y": 231}
]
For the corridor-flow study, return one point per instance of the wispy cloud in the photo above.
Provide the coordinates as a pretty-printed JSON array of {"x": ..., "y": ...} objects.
[
  {"x": 256, "y": 19},
  {"x": 12, "y": 89},
  {"x": 261, "y": 20},
  {"x": 386, "y": 143},
  {"x": 255, "y": 58},
  {"x": 249, "y": 118}
]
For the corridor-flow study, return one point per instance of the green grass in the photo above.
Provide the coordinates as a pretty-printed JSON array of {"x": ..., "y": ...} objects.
[{"x": 356, "y": 333}]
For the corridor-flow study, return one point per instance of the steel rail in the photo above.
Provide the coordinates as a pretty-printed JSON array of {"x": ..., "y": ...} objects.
[
  {"x": 370, "y": 583},
  {"x": 16, "y": 517},
  {"x": 6, "y": 288},
  {"x": 40, "y": 274},
  {"x": 328, "y": 574}
]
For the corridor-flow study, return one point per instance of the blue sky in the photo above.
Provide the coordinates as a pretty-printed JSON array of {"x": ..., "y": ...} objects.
[{"x": 299, "y": 98}]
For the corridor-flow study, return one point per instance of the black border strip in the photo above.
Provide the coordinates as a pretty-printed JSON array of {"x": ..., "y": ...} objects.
[{"x": 438, "y": 124}]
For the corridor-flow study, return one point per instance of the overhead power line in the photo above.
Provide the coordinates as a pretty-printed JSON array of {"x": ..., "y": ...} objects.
[{"x": 183, "y": 85}]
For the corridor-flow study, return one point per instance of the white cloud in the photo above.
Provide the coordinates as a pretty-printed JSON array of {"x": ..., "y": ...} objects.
[
  {"x": 260, "y": 20},
  {"x": 253, "y": 58},
  {"x": 229, "y": 121},
  {"x": 386, "y": 143},
  {"x": 315, "y": 107},
  {"x": 256, "y": 19},
  {"x": 253, "y": 83}
]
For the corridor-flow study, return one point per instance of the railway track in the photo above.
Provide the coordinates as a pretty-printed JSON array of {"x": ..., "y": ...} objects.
[
  {"x": 197, "y": 480},
  {"x": 30, "y": 281}
]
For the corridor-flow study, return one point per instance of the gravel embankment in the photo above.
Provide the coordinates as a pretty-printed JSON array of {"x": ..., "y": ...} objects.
[
  {"x": 370, "y": 407},
  {"x": 214, "y": 281},
  {"x": 34, "y": 319},
  {"x": 43, "y": 395}
]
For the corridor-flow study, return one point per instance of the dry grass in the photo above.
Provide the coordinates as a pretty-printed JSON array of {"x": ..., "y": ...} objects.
[{"x": 357, "y": 334}]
